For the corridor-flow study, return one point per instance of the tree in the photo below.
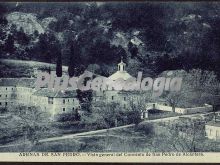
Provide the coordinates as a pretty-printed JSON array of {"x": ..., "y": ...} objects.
[
  {"x": 33, "y": 121},
  {"x": 133, "y": 50},
  {"x": 48, "y": 47},
  {"x": 22, "y": 38},
  {"x": 3, "y": 25},
  {"x": 69, "y": 117},
  {"x": 198, "y": 87},
  {"x": 59, "y": 65},
  {"x": 137, "y": 106},
  {"x": 85, "y": 99},
  {"x": 100, "y": 117},
  {"x": 9, "y": 44},
  {"x": 178, "y": 136},
  {"x": 174, "y": 99},
  {"x": 75, "y": 63},
  {"x": 135, "y": 113}
]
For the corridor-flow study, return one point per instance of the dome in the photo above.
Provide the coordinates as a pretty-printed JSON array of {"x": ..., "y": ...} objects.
[{"x": 120, "y": 74}]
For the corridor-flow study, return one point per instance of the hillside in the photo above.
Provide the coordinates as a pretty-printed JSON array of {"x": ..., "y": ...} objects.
[
  {"x": 20, "y": 68},
  {"x": 176, "y": 36},
  {"x": 27, "y": 21}
]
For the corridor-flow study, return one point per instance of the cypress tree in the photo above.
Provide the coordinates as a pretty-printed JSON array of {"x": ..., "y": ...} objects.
[
  {"x": 59, "y": 64},
  {"x": 71, "y": 62}
]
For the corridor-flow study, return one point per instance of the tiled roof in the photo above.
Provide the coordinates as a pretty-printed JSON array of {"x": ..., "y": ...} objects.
[
  {"x": 30, "y": 83},
  {"x": 9, "y": 81},
  {"x": 26, "y": 82},
  {"x": 23, "y": 82},
  {"x": 56, "y": 94},
  {"x": 213, "y": 123}
]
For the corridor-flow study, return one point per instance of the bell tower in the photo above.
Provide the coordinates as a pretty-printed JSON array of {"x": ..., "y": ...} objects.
[{"x": 121, "y": 66}]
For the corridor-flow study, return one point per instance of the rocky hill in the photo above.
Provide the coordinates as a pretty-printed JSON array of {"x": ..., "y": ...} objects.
[
  {"x": 27, "y": 21},
  {"x": 176, "y": 36}
]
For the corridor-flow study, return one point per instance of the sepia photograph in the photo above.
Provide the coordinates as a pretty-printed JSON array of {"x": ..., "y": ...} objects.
[{"x": 110, "y": 77}]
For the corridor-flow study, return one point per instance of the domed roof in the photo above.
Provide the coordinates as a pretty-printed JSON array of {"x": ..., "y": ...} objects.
[{"x": 120, "y": 74}]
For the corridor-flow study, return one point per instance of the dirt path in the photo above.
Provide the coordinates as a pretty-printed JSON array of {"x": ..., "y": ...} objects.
[{"x": 105, "y": 130}]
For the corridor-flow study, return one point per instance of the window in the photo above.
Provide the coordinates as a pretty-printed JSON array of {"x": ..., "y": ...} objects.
[
  {"x": 50, "y": 100},
  {"x": 64, "y": 109},
  {"x": 112, "y": 97},
  {"x": 68, "y": 100},
  {"x": 0, "y": 103},
  {"x": 6, "y": 96},
  {"x": 0, "y": 95},
  {"x": 73, "y": 108},
  {"x": 63, "y": 101},
  {"x": 217, "y": 133},
  {"x": 210, "y": 132},
  {"x": 11, "y": 88},
  {"x": 124, "y": 98},
  {"x": 73, "y": 100},
  {"x": 6, "y": 89},
  {"x": 153, "y": 106},
  {"x": 6, "y": 103}
]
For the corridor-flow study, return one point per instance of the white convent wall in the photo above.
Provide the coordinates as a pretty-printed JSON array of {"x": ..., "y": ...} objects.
[
  {"x": 212, "y": 132},
  {"x": 6, "y": 96},
  {"x": 64, "y": 105},
  {"x": 21, "y": 95},
  {"x": 205, "y": 108}
]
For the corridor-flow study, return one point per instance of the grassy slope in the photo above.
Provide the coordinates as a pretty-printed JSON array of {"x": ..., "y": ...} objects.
[{"x": 22, "y": 68}]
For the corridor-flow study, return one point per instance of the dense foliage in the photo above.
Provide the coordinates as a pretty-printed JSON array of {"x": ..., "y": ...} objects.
[{"x": 156, "y": 36}]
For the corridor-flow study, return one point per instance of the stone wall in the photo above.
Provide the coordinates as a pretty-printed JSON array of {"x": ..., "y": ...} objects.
[{"x": 205, "y": 108}]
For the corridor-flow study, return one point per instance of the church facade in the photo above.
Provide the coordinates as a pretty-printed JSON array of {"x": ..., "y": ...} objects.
[{"x": 123, "y": 97}]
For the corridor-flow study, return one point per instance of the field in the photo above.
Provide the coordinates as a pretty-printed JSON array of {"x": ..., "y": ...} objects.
[
  {"x": 134, "y": 139},
  {"x": 123, "y": 140},
  {"x": 141, "y": 138}
]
